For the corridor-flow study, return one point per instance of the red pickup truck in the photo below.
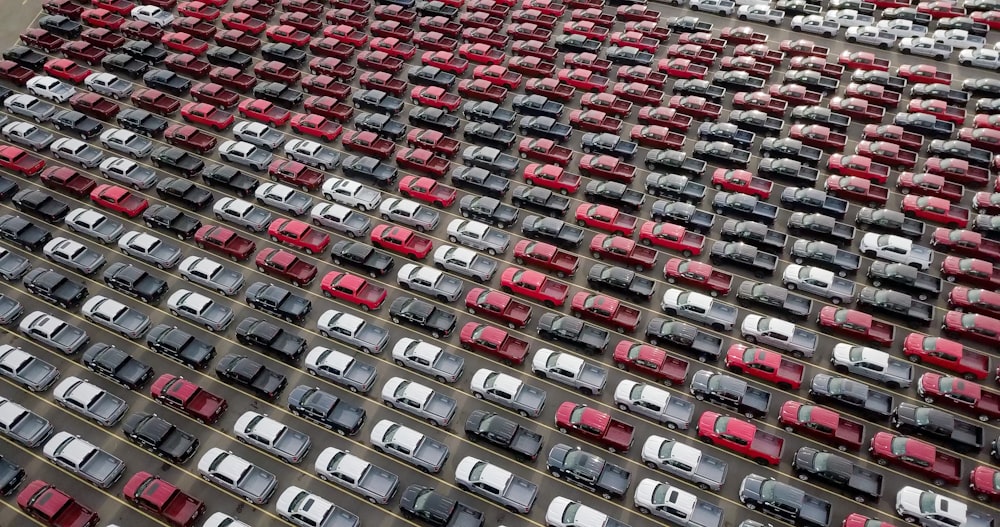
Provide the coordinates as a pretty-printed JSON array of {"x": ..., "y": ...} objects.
[
  {"x": 544, "y": 150},
  {"x": 892, "y": 133},
  {"x": 743, "y": 35},
  {"x": 973, "y": 326},
  {"x": 484, "y": 338},
  {"x": 973, "y": 271},
  {"x": 650, "y": 361},
  {"x": 697, "y": 274},
  {"x": 748, "y": 64},
  {"x": 858, "y": 166},
  {"x": 939, "y": 109},
  {"x": 606, "y": 310},
  {"x": 381, "y": 80},
  {"x": 765, "y": 364},
  {"x": 353, "y": 289},
  {"x": 917, "y": 455},
  {"x": 286, "y": 265},
  {"x": 819, "y": 136},
  {"x": 188, "y": 398},
  {"x": 594, "y": 121},
  {"x": 957, "y": 170},
  {"x": 761, "y": 52},
  {"x": 224, "y": 241},
  {"x": 552, "y": 177},
  {"x": 368, "y": 143},
  {"x": 545, "y": 256},
  {"x": 670, "y": 236},
  {"x": 648, "y": 29},
  {"x": 961, "y": 393},
  {"x": 681, "y": 68},
  {"x": 432, "y": 140},
  {"x": 820, "y": 64},
  {"x": 965, "y": 242},
  {"x": 625, "y": 250},
  {"x": 551, "y": 88},
  {"x": 739, "y": 436},
  {"x": 436, "y": 97},
  {"x": 696, "y": 107},
  {"x": 605, "y": 218},
  {"x": 607, "y": 103},
  {"x": 857, "y": 324},
  {"x": 593, "y": 15},
  {"x": 595, "y": 426},
  {"x": 692, "y": 52},
  {"x": 333, "y": 67},
  {"x": 823, "y": 424},
  {"x": 742, "y": 181},
  {"x": 482, "y": 90},
  {"x": 67, "y": 180},
  {"x": 533, "y": 48},
  {"x": 401, "y": 240},
  {"x": 857, "y": 189},
  {"x": 422, "y": 160},
  {"x": 863, "y": 60},
  {"x": 760, "y": 100},
  {"x": 189, "y": 137},
  {"x": 915, "y": 73},
  {"x": 44, "y": 502},
  {"x": 18, "y": 161},
  {"x": 937, "y": 210},
  {"x": 982, "y": 301},
  {"x": 534, "y": 285},
  {"x": 795, "y": 94},
  {"x": 498, "y": 306},
  {"x": 607, "y": 167},
  {"x": 583, "y": 79},
  {"x": 636, "y": 40},
  {"x": 947, "y": 354},
  {"x": 150, "y": 493}
]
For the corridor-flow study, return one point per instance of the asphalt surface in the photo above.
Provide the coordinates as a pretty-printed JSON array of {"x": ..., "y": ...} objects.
[{"x": 113, "y": 508}]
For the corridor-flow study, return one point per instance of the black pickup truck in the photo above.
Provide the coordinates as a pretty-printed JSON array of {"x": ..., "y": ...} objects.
[
  {"x": 938, "y": 425},
  {"x": 675, "y": 161},
  {"x": 785, "y": 168},
  {"x": 674, "y": 186},
  {"x": 685, "y": 214},
  {"x": 775, "y": 297},
  {"x": 564, "y": 328},
  {"x": 732, "y": 203},
  {"x": 603, "y": 277},
  {"x": 409, "y": 310},
  {"x": 813, "y": 200},
  {"x": 504, "y": 433},
  {"x": 760, "y": 263},
  {"x": 730, "y": 392},
  {"x": 861, "y": 484},
  {"x": 825, "y": 255},
  {"x": 55, "y": 288},
  {"x": 961, "y": 150},
  {"x": 785, "y": 501},
  {"x": 820, "y": 115},
  {"x": 904, "y": 277},
  {"x": 754, "y": 233},
  {"x": 757, "y": 121},
  {"x": 436, "y": 509},
  {"x": 900, "y": 305},
  {"x": 889, "y": 222},
  {"x": 851, "y": 394},
  {"x": 815, "y": 223},
  {"x": 790, "y": 148},
  {"x": 588, "y": 471},
  {"x": 705, "y": 346}
]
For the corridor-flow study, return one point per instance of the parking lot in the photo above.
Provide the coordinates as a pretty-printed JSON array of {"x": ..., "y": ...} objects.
[{"x": 114, "y": 510}]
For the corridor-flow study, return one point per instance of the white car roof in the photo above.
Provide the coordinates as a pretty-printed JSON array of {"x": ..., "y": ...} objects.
[
  {"x": 220, "y": 519},
  {"x": 821, "y": 274},
  {"x": 49, "y": 324},
  {"x": 232, "y": 467},
  {"x": 405, "y": 205},
  {"x": 242, "y": 148},
  {"x": 13, "y": 358},
  {"x": 428, "y": 273},
  {"x": 507, "y": 383},
  {"x": 201, "y": 265},
  {"x": 239, "y": 206},
  {"x": 407, "y": 438},
  {"x": 332, "y": 210},
  {"x": 279, "y": 191},
  {"x": 145, "y": 241},
  {"x": 698, "y": 299},
  {"x": 105, "y": 77},
  {"x": 348, "y": 464},
  {"x": 654, "y": 395},
  {"x": 420, "y": 349},
  {"x": 73, "y": 449},
  {"x": 780, "y": 326},
  {"x": 569, "y": 362},
  {"x": 108, "y": 307},
  {"x": 475, "y": 228},
  {"x": 69, "y": 247},
  {"x": 312, "y": 507},
  {"x": 79, "y": 390},
  {"x": 197, "y": 301},
  {"x": 458, "y": 253},
  {"x": 417, "y": 392},
  {"x": 337, "y": 360},
  {"x": 352, "y": 186},
  {"x": 265, "y": 427},
  {"x": 350, "y": 322},
  {"x": 253, "y": 127}
]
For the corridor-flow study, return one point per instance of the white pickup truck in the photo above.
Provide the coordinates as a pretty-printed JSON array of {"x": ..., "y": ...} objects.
[
  {"x": 685, "y": 462},
  {"x": 419, "y": 400}
]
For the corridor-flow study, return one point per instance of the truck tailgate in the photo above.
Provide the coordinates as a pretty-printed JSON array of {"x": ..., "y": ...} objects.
[
  {"x": 712, "y": 469},
  {"x": 620, "y": 433},
  {"x": 814, "y": 511},
  {"x": 866, "y": 481},
  {"x": 768, "y": 444},
  {"x": 526, "y": 441},
  {"x": 850, "y": 432},
  {"x": 521, "y": 492},
  {"x": 706, "y": 515},
  {"x": 756, "y": 399}
]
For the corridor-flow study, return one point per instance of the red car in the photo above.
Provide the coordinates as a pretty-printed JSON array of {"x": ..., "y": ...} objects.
[
  {"x": 940, "y": 9},
  {"x": 655, "y": 136},
  {"x": 980, "y": 301},
  {"x": 858, "y": 189},
  {"x": 748, "y": 64},
  {"x": 647, "y": 28},
  {"x": 14, "y": 72},
  {"x": 546, "y": 256},
  {"x": 287, "y": 34},
  {"x": 533, "y": 48},
  {"x": 593, "y": 15},
  {"x": 957, "y": 170},
  {"x": 394, "y": 47},
  {"x": 972, "y": 271},
  {"x": 66, "y": 180},
  {"x": 697, "y": 274},
  {"x": 139, "y": 30},
  {"x": 316, "y": 126},
  {"x": 102, "y": 18},
  {"x": 742, "y": 181},
  {"x": 650, "y": 361},
  {"x": 798, "y": 94},
  {"x": 923, "y": 73},
  {"x": 587, "y": 61},
  {"x": 94, "y": 105},
  {"x": 990, "y": 18},
  {"x": 498, "y": 75},
  {"x": 199, "y": 10},
  {"x": 697, "y": 107},
  {"x": 187, "y": 64},
  {"x": 584, "y": 80},
  {"x": 233, "y": 78},
  {"x": 325, "y": 85},
  {"x": 188, "y": 398},
  {"x": 587, "y": 29},
  {"x": 296, "y": 174},
  {"x": 549, "y": 7},
  {"x": 673, "y": 237},
  {"x": 761, "y": 52},
  {"x": 938, "y": 108},
  {"x": 742, "y": 35},
  {"x": 332, "y": 67},
  {"x": 973, "y": 326},
  {"x": 481, "y": 20},
  {"x": 533, "y": 16},
  {"x": 391, "y": 28},
  {"x": 67, "y": 70},
  {"x": 605, "y": 218},
  {"x": 764, "y": 364},
  {"x": 47, "y": 505},
  {"x": 497, "y": 8},
  {"x": 605, "y": 310},
  {"x": 802, "y": 47},
  {"x": 663, "y": 116},
  {"x": 16, "y": 160},
  {"x": 277, "y": 71},
  {"x": 594, "y": 121},
  {"x": 214, "y": 94},
  {"x": 531, "y": 66},
  {"x": 643, "y": 74},
  {"x": 118, "y": 199},
  {"x": 706, "y": 40},
  {"x": 625, "y": 250},
  {"x": 361, "y": 6},
  {"x": 482, "y": 54},
  {"x": 544, "y": 150},
  {"x": 681, "y": 68},
  {"x": 482, "y": 35},
  {"x": 893, "y": 133},
  {"x": 155, "y": 101},
  {"x": 239, "y": 40},
  {"x": 154, "y": 495},
  {"x": 298, "y": 234},
  {"x": 285, "y": 264},
  {"x": 445, "y": 61},
  {"x": 482, "y": 90},
  {"x": 857, "y": 324},
  {"x": 635, "y": 12},
  {"x": 189, "y": 137},
  {"x": 552, "y": 177},
  {"x": 498, "y": 306},
  {"x": 195, "y": 27},
  {"x": 380, "y": 61},
  {"x": 692, "y": 52},
  {"x": 484, "y": 338},
  {"x": 42, "y": 39},
  {"x": 427, "y": 190},
  {"x": 401, "y": 240},
  {"x": 244, "y": 22},
  {"x": 380, "y": 80},
  {"x": 926, "y": 184},
  {"x": 382, "y": 12},
  {"x": 964, "y": 242},
  {"x": 264, "y": 111},
  {"x": 986, "y": 203},
  {"x": 67, "y": 8},
  {"x": 440, "y": 24},
  {"x": 937, "y": 210},
  {"x": 302, "y": 6},
  {"x": 353, "y": 289},
  {"x": 985, "y": 138},
  {"x": 887, "y": 153},
  {"x": 99, "y": 37},
  {"x": 184, "y": 43},
  {"x": 207, "y": 115},
  {"x": 534, "y": 285},
  {"x": 224, "y": 241},
  {"x": 819, "y": 136},
  {"x": 368, "y": 143},
  {"x": 873, "y": 93},
  {"x": 636, "y": 40},
  {"x": 421, "y": 160},
  {"x": 432, "y": 140},
  {"x": 302, "y": 21},
  {"x": 328, "y": 107},
  {"x": 863, "y": 60}
]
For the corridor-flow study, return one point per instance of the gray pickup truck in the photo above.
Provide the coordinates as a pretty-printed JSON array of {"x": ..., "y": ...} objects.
[
  {"x": 570, "y": 370},
  {"x": 754, "y": 233},
  {"x": 821, "y": 225},
  {"x": 700, "y": 308},
  {"x": 508, "y": 391},
  {"x": 685, "y": 462},
  {"x": 465, "y": 262},
  {"x": 588, "y": 471},
  {"x": 851, "y": 394},
  {"x": 820, "y": 282},
  {"x": 352, "y": 330},
  {"x": 784, "y": 501},
  {"x": 702, "y": 344},
  {"x": 376, "y": 484},
  {"x": 678, "y": 507},
  {"x": 415, "y": 398},
  {"x": 437, "y": 509},
  {"x": 827, "y": 255},
  {"x": 781, "y": 334},
  {"x": 419, "y": 450},
  {"x": 84, "y": 459},
  {"x": 847, "y": 476},
  {"x": 730, "y": 392},
  {"x": 563, "y": 328},
  {"x": 265, "y": 433},
  {"x": 496, "y": 484},
  {"x": 941, "y": 426},
  {"x": 898, "y": 304},
  {"x": 654, "y": 403}
]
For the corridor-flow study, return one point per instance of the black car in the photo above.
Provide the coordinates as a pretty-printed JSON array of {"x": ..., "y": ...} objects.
[
  {"x": 488, "y": 210},
  {"x": 490, "y": 112},
  {"x": 756, "y": 121},
  {"x": 784, "y": 168},
  {"x": 628, "y": 55},
  {"x": 504, "y": 433},
  {"x": 620, "y": 280},
  {"x": 160, "y": 437},
  {"x": 125, "y": 64},
  {"x": 7, "y": 188},
  {"x": 61, "y": 26},
  {"x": 362, "y": 256},
  {"x": 167, "y": 81},
  {"x": 228, "y": 177},
  {"x": 367, "y": 167},
  {"x": 181, "y": 346},
  {"x": 820, "y": 115},
  {"x": 135, "y": 282},
  {"x": 177, "y": 160},
  {"x": 380, "y": 124},
  {"x": 270, "y": 339},
  {"x": 589, "y": 471},
  {"x": 577, "y": 44},
  {"x": 552, "y": 230},
  {"x": 789, "y": 148},
  {"x": 882, "y": 78},
  {"x": 839, "y": 472},
  {"x": 278, "y": 301},
  {"x": 851, "y": 394},
  {"x": 775, "y": 297},
  {"x": 674, "y": 186},
  {"x": 117, "y": 365},
  {"x": 614, "y": 193},
  {"x": 431, "y": 76},
  {"x": 721, "y": 152},
  {"x": 27, "y": 57},
  {"x": 924, "y": 124},
  {"x": 377, "y": 101},
  {"x": 688, "y": 24},
  {"x": 934, "y": 90},
  {"x": 545, "y": 127},
  {"x": 480, "y": 180},
  {"x": 23, "y": 232},
  {"x": 438, "y": 322},
  {"x": 434, "y": 118},
  {"x": 983, "y": 86},
  {"x": 540, "y": 199},
  {"x": 251, "y": 375},
  {"x": 282, "y": 52},
  {"x": 744, "y": 205},
  {"x": 490, "y": 134},
  {"x": 172, "y": 220},
  {"x": 699, "y": 88},
  {"x": 142, "y": 122},
  {"x": 610, "y": 144},
  {"x": 145, "y": 51},
  {"x": 748, "y": 256},
  {"x": 228, "y": 56},
  {"x": 77, "y": 123},
  {"x": 184, "y": 192},
  {"x": 326, "y": 410},
  {"x": 278, "y": 93},
  {"x": 41, "y": 204},
  {"x": 55, "y": 288},
  {"x": 675, "y": 161},
  {"x": 11, "y": 476},
  {"x": 436, "y": 8},
  {"x": 437, "y": 510},
  {"x": 537, "y": 105}
]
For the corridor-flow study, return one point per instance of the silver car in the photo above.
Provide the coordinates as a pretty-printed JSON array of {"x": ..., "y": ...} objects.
[
  {"x": 212, "y": 275},
  {"x": 84, "y": 459},
  {"x": 90, "y": 401},
  {"x": 246, "y": 154},
  {"x": 112, "y": 314},
  {"x": 925, "y": 47},
  {"x": 10, "y": 310},
  {"x": 428, "y": 359},
  {"x": 816, "y": 25},
  {"x": 128, "y": 172},
  {"x": 341, "y": 368},
  {"x": 200, "y": 309},
  {"x": 258, "y": 134},
  {"x": 312, "y": 154},
  {"x": 279, "y": 440},
  {"x": 26, "y": 369},
  {"x": 109, "y": 84},
  {"x": 53, "y": 332},
  {"x": 284, "y": 198},
  {"x": 76, "y": 151},
  {"x": 23, "y": 425},
  {"x": 980, "y": 58},
  {"x": 126, "y": 142},
  {"x": 761, "y": 13},
  {"x": 95, "y": 224},
  {"x": 430, "y": 281},
  {"x": 902, "y": 28},
  {"x": 13, "y": 266},
  {"x": 30, "y": 106},
  {"x": 74, "y": 255},
  {"x": 349, "y": 222},
  {"x": 237, "y": 475},
  {"x": 871, "y": 36},
  {"x": 153, "y": 15},
  {"x": 411, "y": 213},
  {"x": 351, "y": 194},
  {"x": 50, "y": 88},
  {"x": 479, "y": 236},
  {"x": 27, "y": 134},
  {"x": 244, "y": 213},
  {"x": 149, "y": 249}
]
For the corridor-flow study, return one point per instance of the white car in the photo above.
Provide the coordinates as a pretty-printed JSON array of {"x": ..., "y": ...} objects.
[
  {"x": 312, "y": 154},
  {"x": 344, "y": 220},
  {"x": 77, "y": 151},
  {"x": 719, "y": 7},
  {"x": 221, "y": 519},
  {"x": 849, "y": 18},
  {"x": 109, "y": 84},
  {"x": 112, "y": 314},
  {"x": 211, "y": 274},
  {"x": 74, "y": 254},
  {"x": 873, "y": 364},
  {"x": 479, "y": 236},
  {"x": 245, "y": 154},
  {"x": 496, "y": 484},
  {"x": 564, "y": 512},
  {"x": 27, "y": 134},
  {"x": 243, "y": 213},
  {"x": 200, "y": 309},
  {"x": 53, "y": 332},
  {"x": 50, "y": 88},
  {"x": 980, "y": 58},
  {"x": 259, "y": 134},
  {"x": 284, "y": 197},
  {"x": 430, "y": 281},
  {"x": 90, "y": 401},
  {"x": 376, "y": 484},
  {"x": 816, "y": 25},
  {"x": 655, "y": 403},
  {"x": 871, "y": 36},
  {"x": 896, "y": 249},
  {"x": 150, "y": 249},
  {"x": 305, "y": 509},
  {"x": 237, "y": 475},
  {"x": 341, "y": 368},
  {"x": 351, "y": 194},
  {"x": 930, "y": 509},
  {"x": 409, "y": 445},
  {"x": 126, "y": 142},
  {"x": 902, "y": 28},
  {"x": 261, "y": 431},
  {"x": 128, "y": 172},
  {"x": 409, "y": 213},
  {"x": 23, "y": 425},
  {"x": 465, "y": 262},
  {"x": 30, "y": 106},
  {"x": 959, "y": 39},
  {"x": 925, "y": 47},
  {"x": 95, "y": 224},
  {"x": 84, "y": 459},
  {"x": 153, "y": 15},
  {"x": 761, "y": 13}
]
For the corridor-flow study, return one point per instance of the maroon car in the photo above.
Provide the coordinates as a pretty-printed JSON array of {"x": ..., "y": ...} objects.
[
  {"x": 329, "y": 107},
  {"x": 239, "y": 40},
  {"x": 233, "y": 78},
  {"x": 94, "y": 105},
  {"x": 224, "y": 241},
  {"x": 201, "y": 29},
  {"x": 302, "y": 21},
  {"x": 255, "y": 8},
  {"x": 67, "y": 180},
  {"x": 333, "y": 67},
  {"x": 66, "y": 8},
  {"x": 15, "y": 72},
  {"x": 215, "y": 94},
  {"x": 155, "y": 101},
  {"x": 190, "y": 138},
  {"x": 325, "y": 85},
  {"x": 141, "y": 30},
  {"x": 277, "y": 71},
  {"x": 83, "y": 51},
  {"x": 41, "y": 39},
  {"x": 103, "y": 38},
  {"x": 187, "y": 64}
]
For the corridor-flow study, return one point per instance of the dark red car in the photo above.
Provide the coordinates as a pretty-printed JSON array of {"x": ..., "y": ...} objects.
[
  {"x": 379, "y": 61},
  {"x": 261, "y": 9},
  {"x": 391, "y": 28},
  {"x": 215, "y": 94},
  {"x": 480, "y": 20},
  {"x": 141, "y": 30},
  {"x": 199, "y": 10},
  {"x": 382, "y": 12},
  {"x": 380, "y": 80},
  {"x": 15, "y": 72},
  {"x": 190, "y": 138},
  {"x": 94, "y": 105},
  {"x": 316, "y": 126},
  {"x": 427, "y": 190},
  {"x": 121, "y": 7},
  {"x": 329, "y": 107},
  {"x": 333, "y": 67},
  {"x": 309, "y": 7},
  {"x": 296, "y": 174},
  {"x": 187, "y": 64},
  {"x": 184, "y": 43},
  {"x": 103, "y": 38},
  {"x": 233, "y": 78},
  {"x": 482, "y": 90},
  {"x": 287, "y": 34},
  {"x": 325, "y": 85},
  {"x": 277, "y": 71},
  {"x": 42, "y": 39},
  {"x": 67, "y": 8},
  {"x": 244, "y": 22},
  {"x": 155, "y": 101},
  {"x": 441, "y": 24},
  {"x": 239, "y": 40},
  {"x": 67, "y": 180},
  {"x": 347, "y": 35},
  {"x": 207, "y": 115},
  {"x": 302, "y": 21}
]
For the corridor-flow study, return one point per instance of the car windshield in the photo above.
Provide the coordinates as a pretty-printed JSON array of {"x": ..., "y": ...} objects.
[
  {"x": 898, "y": 446},
  {"x": 821, "y": 461},
  {"x": 569, "y": 515},
  {"x": 767, "y": 491},
  {"x": 928, "y": 501}
]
